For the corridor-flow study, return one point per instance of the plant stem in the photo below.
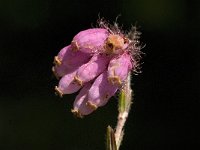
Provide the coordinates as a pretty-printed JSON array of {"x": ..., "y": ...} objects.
[
  {"x": 110, "y": 140},
  {"x": 126, "y": 100},
  {"x": 114, "y": 139}
]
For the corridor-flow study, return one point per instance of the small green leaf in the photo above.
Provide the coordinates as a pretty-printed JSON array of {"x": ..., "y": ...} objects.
[
  {"x": 122, "y": 101},
  {"x": 110, "y": 139}
]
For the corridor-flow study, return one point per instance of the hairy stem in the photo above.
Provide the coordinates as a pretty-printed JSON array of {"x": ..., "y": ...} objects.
[
  {"x": 114, "y": 139},
  {"x": 124, "y": 108}
]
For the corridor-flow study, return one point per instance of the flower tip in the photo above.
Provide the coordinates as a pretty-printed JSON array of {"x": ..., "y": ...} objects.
[
  {"x": 91, "y": 105},
  {"x": 75, "y": 46},
  {"x": 57, "y": 61},
  {"x": 78, "y": 81},
  {"x": 114, "y": 80},
  {"x": 58, "y": 91},
  {"x": 76, "y": 113},
  {"x": 54, "y": 73}
]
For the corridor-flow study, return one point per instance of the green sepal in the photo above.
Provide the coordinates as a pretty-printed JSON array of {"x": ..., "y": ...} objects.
[
  {"x": 110, "y": 139},
  {"x": 122, "y": 101}
]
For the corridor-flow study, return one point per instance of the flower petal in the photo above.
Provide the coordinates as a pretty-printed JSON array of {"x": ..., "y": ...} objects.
[
  {"x": 80, "y": 104},
  {"x": 119, "y": 68},
  {"x": 101, "y": 91},
  {"x": 73, "y": 59},
  {"x": 90, "y": 41},
  {"x": 66, "y": 85},
  {"x": 68, "y": 60},
  {"x": 92, "y": 69}
]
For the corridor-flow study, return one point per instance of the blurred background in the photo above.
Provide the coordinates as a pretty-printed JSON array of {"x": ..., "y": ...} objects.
[{"x": 164, "y": 113}]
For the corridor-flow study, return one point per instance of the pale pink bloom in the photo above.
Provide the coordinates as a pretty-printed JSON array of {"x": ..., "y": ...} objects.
[
  {"x": 68, "y": 60},
  {"x": 101, "y": 91},
  {"x": 118, "y": 69},
  {"x": 59, "y": 69},
  {"x": 92, "y": 69},
  {"x": 67, "y": 85},
  {"x": 81, "y": 107},
  {"x": 90, "y": 41}
]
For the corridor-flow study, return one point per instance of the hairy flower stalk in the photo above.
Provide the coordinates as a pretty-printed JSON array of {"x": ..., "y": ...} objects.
[
  {"x": 99, "y": 62},
  {"x": 125, "y": 101}
]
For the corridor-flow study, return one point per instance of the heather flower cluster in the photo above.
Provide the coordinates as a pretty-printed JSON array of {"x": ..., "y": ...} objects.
[{"x": 96, "y": 63}]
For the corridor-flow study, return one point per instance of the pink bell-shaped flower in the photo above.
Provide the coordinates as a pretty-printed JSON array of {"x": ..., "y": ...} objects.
[
  {"x": 81, "y": 107},
  {"x": 92, "y": 69},
  {"x": 119, "y": 68},
  {"x": 90, "y": 41},
  {"x": 101, "y": 91},
  {"x": 67, "y": 85},
  {"x": 68, "y": 60}
]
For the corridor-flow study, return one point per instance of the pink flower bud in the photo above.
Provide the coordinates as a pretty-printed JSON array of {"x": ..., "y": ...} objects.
[
  {"x": 90, "y": 41},
  {"x": 59, "y": 69},
  {"x": 101, "y": 91},
  {"x": 80, "y": 104},
  {"x": 68, "y": 61},
  {"x": 66, "y": 85},
  {"x": 119, "y": 68},
  {"x": 92, "y": 69},
  {"x": 74, "y": 59}
]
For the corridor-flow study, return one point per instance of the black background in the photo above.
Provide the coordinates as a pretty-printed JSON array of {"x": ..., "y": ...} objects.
[{"x": 166, "y": 102}]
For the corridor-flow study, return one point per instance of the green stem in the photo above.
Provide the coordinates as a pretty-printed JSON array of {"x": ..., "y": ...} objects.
[
  {"x": 125, "y": 99},
  {"x": 110, "y": 139}
]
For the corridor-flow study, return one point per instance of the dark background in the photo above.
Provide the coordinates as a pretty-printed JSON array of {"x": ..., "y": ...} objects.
[{"x": 164, "y": 113}]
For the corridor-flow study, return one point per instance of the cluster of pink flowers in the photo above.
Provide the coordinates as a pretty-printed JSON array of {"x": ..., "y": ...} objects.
[{"x": 97, "y": 62}]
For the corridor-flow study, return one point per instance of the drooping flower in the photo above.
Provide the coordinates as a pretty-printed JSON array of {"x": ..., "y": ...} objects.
[
  {"x": 68, "y": 60},
  {"x": 90, "y": 41},
  {"x": 67, "y": 85},
  {"x": 119, "y": 68},
  {"x": 92, "y": 69},
  {"x": 94, "y": 95},
  {"x": 59, "y": 69},
  {"x": 80, "y": 104},
  {"x": 97, "y": 62},
  {"x": 101, "y": 91}
]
